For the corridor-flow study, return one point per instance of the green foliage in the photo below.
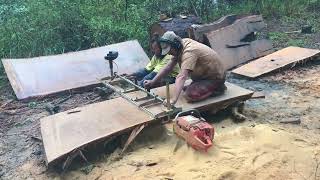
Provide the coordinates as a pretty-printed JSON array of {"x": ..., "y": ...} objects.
[
  {"x": 283, "y": 39},
  {"x": 278, "y": 36},
  {"x": 268, "y": 8},
  {"x": 41, "y": 27},
  {"x": 31, "y": 28},
  {"x": 297, "y": 42}
]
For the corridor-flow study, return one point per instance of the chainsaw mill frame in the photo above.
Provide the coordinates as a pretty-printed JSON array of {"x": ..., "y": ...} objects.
[
  {"x": 154, "y": 99},
  {"x": 150, "y": 99}
]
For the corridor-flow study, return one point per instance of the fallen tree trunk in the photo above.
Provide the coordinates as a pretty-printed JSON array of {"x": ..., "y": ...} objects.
[
  {"x": 197, "y": 31},
  {"x": 237, "y": 43},
  {"x": 178, "y": 24}
]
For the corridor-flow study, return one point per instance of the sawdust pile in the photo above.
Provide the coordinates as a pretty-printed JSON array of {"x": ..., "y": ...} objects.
[{"x": 247, "y": 152}]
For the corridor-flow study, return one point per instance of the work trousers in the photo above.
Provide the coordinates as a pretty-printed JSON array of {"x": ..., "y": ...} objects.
[
  {"x": 202, "y": 89},
  {"x": 143, "y": 75}
]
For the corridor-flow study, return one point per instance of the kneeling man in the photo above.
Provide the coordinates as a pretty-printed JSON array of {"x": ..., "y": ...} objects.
[{"x": 197, "y": 61}]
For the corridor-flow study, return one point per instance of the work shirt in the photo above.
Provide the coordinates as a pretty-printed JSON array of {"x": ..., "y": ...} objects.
[
  {"x": 156, "y": 64},
  {"x": 203, "y": 62}
]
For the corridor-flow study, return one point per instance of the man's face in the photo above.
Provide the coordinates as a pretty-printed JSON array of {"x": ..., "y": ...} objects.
[{"x": 156, "y": 49}]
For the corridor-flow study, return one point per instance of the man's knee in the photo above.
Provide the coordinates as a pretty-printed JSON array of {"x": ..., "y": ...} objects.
[
  {"x": 140, "y": 74},
  {"x": 192, "y": 95},
  {"x": 199, "y": 91}
]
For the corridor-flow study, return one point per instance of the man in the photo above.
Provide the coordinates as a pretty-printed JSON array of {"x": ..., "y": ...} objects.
[
  {"x": 157, "y": 62},
  {"x": 197, "y": 61}
]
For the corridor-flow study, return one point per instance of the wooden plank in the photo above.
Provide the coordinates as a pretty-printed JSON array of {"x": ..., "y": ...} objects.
[
  {"x": 232, "y": 94},
  {"x": 258, "y": 95},
  {"x": 274, "y": 61},
  {"x": 228, "y": 41},
  {"x": 64, "y": 132},
  {"x": 50, "y": 74}
]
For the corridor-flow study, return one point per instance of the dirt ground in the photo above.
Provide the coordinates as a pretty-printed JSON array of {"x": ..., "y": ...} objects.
[{"x": 260, "y": 148}]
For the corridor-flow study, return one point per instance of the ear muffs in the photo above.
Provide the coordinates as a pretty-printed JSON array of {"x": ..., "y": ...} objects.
[{"x": 177, "y": 44}]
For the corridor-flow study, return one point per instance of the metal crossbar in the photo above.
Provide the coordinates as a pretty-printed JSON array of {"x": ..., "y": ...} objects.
[{"x": 150, "y": 99}]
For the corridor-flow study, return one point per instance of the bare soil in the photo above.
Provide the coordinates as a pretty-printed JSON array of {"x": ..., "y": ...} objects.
[{"x": 260, "y": 148}]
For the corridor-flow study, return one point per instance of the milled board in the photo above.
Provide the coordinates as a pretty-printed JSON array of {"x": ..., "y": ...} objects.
[
  {"x": 276, "y": 60},
  {"x": 64, "y": 132},
  {"x": 45, "y": 75},
  {"x": 233, "y": 93}
]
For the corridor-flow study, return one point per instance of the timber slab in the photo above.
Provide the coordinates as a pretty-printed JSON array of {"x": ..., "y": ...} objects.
[
  {"x": 65, "y": 132},
  {"x": 289, "y": 56},
  {"x": 32, "y": 77}
]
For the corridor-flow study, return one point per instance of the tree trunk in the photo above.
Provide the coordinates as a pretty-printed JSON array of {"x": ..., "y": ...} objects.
[{"x": 178, "y": 24}]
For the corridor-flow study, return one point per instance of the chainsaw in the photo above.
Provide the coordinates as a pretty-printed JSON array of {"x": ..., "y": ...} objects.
[{"x": 190, "y": 126}]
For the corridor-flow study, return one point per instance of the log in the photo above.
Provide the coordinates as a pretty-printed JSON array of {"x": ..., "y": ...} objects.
[
  {"x": 239, "y": 29},
  {"x": 179, "y": 25},
  {"x": 197, "y": 31},
  {"x": 236, "y": 43}
]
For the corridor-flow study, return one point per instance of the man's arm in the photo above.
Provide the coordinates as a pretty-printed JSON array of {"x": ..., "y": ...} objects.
[
  {"x": 180, "y": 81},
  {"x": 162, "y": 73}
]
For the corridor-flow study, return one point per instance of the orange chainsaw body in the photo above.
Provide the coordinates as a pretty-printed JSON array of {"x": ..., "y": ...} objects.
[{"x": 195, "y": 131}]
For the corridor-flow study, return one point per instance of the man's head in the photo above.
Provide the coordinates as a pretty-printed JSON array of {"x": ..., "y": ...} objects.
[
  {"x": 155, "y": 45},
  {"x": 170, "y": 43}
]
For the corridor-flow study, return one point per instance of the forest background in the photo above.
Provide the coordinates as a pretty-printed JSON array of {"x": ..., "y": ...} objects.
[{"x": 30, "y": 28}]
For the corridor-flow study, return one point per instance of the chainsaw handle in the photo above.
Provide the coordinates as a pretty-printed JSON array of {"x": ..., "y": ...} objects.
[{"x": 192, "y": 112}]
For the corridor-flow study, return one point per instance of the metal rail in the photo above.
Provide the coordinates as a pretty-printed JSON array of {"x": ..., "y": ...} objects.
[
  {"x": 171, "y": 110},
  {"x": 129, "y": 99},
  {"x": 140, "y": 88}
]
